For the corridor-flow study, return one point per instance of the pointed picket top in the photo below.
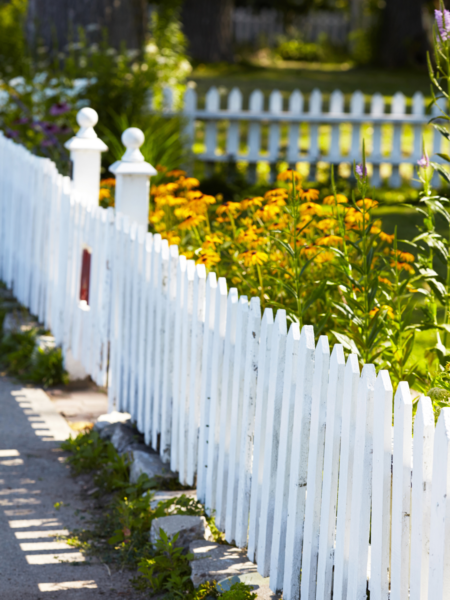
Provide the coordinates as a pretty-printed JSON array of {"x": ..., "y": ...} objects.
[
  {"x": 398, "y": 104},
  {"x": 381, "y": 485},
  {"x": 357, "y": 103},
  {"x": 260, "y": 430},
  {"x": 275, "y": 102},
  {"x": 377, "y": 105},
  {"x": 349, "y": 407},
  {"x": 336, "y": 102},
  {"x": 212, "y": 100},
  {"x": 439, "y": 570},
  {"x": 168, "y": 100},
  {"x": 315, "y": 102},
  {"x": 296, "y": 102},
  {"x": 326, "y": 542},
  {"x": 190, "y": 101},
  {"x": 234, "y": 103},
  {"x": 421, "y": 498},
  {"x": 418, "y": 105},
  {"x": 256, "y": 102}
]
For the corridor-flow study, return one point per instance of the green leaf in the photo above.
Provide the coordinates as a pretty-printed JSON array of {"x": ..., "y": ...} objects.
[{"x": 347, "y": 342}]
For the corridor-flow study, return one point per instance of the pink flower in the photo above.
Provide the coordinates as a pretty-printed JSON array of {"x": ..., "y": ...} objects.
[
  {"x": 361, "y": 171},
  {"x": 424, "y": 161}
]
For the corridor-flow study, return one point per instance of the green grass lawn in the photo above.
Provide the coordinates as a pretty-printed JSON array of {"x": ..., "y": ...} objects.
[{"x": 287, "y": 76}]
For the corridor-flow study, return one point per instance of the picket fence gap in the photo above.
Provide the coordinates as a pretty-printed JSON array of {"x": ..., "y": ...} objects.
[
  {"x": 293, "y": 130},
  {"x": 290, "y": 446}
]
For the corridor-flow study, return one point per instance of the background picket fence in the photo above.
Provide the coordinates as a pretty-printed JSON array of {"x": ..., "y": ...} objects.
[
  {"x": 290, "y": 445},
  {"x": 293, "y": 131}
]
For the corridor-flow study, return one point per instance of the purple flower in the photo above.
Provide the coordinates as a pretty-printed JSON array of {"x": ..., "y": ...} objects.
[
  {"x": 361, "y": 171},
  {"x": 59, "y": 109},
  {"x": 424, "y": 161},
  {"x": 443, "y": 23},
  {"x": 50, "y": 128},
  {"x": 22, "y": 121},
  {"x": 11, "y": 133},
  {"x": 47, "y": 143}
]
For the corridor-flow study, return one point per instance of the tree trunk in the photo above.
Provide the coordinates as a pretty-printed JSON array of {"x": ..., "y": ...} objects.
[
  {"x": 403, "y": 40},
  {"x": 56, "y": 22},
  {"x": 208, "y": 27}
]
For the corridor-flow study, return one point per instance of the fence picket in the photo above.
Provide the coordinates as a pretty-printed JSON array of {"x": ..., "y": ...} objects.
[
  {"x": 248, "y": 423},
  {"x": 185, "y": 362},
  {"x": 349, "y": 405},
  {"x": 330, "y": 473},
  {"x": 275, "y": 107},
  {"x": 356, "y": 109},
  {"x": 236, "y": 417},
  {"x": 225, "y": 407},
  {"x": 234, "y": 105},
  {"x": 315, "y": 108},
  {"x": 168, "y": 361},
  {"x": 178, "y": 338},
  {"x": 195, "y": 377},
  {"x": 381, "y": 487},
  {"x": 284, "y": 454},
  {"x": 216, "y": 388},
  {"x": 397, "y": 108},
  {"x": 361, "y": 487},
  {"x": 336, "y": 108},
  {"x": 439, "y": 570},
  {"x": 295, "y": 108},
  {"x": 315, "y": 460},
  {"x": 299, "y": 464},
  {"x": 401, "y": 492},
  {"x": 260, "y": 430},
  {"x": 212, "y": 106},
  {"x": 208, "y": 338},
  {"x": 254, "y": 134},
  {"x": 421, "y": 498},
  {"x": 376, "y": 110}
]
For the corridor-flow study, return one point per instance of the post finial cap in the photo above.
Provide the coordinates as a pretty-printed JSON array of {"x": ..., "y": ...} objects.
[
  {"x": 87, "y": 119},
  {"x": 132, "y": 139}
]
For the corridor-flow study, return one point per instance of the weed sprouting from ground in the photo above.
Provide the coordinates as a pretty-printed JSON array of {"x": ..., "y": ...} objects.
[{"x": 119, "y": 534}]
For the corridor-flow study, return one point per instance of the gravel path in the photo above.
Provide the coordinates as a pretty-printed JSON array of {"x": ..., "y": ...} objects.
[{"x": 33, "y": 478}]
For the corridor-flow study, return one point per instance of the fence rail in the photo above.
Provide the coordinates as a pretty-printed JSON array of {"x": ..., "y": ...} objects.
[
  {"x": 287, "y": 441},
  {"x": 288, "y": 132}
]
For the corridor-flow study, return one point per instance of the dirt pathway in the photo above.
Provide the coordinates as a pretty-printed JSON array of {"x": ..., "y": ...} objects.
[{"x": 33, "y": 478}]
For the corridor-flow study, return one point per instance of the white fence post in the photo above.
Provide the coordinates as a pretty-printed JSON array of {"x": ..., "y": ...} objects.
[
  {"x": 85, "y": 152},
  {"x": 133, "y": 175}
]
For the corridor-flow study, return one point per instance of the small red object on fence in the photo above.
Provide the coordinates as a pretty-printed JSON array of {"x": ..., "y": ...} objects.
[{"x": 85, "y": 275}]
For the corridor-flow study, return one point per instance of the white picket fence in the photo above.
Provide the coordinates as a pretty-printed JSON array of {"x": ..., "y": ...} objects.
[
  {"x": 289, "y": 444},
  {"x": 290, "y": 132}
]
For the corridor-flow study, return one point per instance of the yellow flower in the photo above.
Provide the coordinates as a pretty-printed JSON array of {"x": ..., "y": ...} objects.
[
  {"x": 269, "y": 212},
  {"x": 367, "y": 203},
  {"x": 198, "y": 206},
  {"x": 191, "y": 182},
  {"x": 329, "y": 240},
  {"x": 309, "y": 251},
  {"x": 194, "y": 195},
  {"x": 326, "y": 224},
  {"x": 310, "y": 194},
  {"x": 172, "y": 238},
  {"x": 110, "y": 181},
  {"x": 229, "y": 207},
  {"x": 341, "y": 199},
  {"x": 248, "y": 236},
  {"x": 309, "y": 208},
  {"x": 288, "y": 175},
  {"x": 385, "y": 281},
  {"x": 191, "y": 222},
  {"x": 389, "y": 311},
  {"x": 248, "y": 203},
  {"x": 175, "y": 200},
  {"x": 386, "y": 237},
  {"x": 172, "y": 187},
  {"x": 254, "y": 257},
  {"x": 323, "y": 257},
  {"x": 402, "y": 266},
  {"x": 156, "y": 216},
  {"x": 276, "y": 193},
  {"x": 183, "y": 212},
  {"x": 176, "y": 173},
  {"x": 211, "y": 241},
  {"x": 104, "y": 193},
  {"x": 375, "y": 230},
  {"x": 208, "y": 257},
  {"x": 406, "y": 256}
]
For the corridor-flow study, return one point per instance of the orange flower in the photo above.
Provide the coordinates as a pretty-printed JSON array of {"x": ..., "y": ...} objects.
[
  {"x": 248, "y": 203},
  {"x": 191, "y": 182},
  {"x": 275, "y": 194},
  {"x": 402, "y": 266},
  {"x": 389, "y": 311},
  {"x": 288, "y": 175},
  {"x": 367, "y": 203},
  {"x": 229, "y": 207},
  {"x": 254, "y": 257},
  {"x": 326, "y": 224},
  {"x": 387, "y": 237},
  {"x": 110, "y": 181},
  {"x": 406, "y": 256},
  {"x": 176, "y": 173},
  {"x": 341, "y": 199},
  {"x": 310, "y": 194},
  {"x": 329, "y": 240},
  {"x": 208, "y": 257},
  {"x": 309, "y": 251},
  {"x": 191, "y": 222},
  {"x": 385, "y": 281}
]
